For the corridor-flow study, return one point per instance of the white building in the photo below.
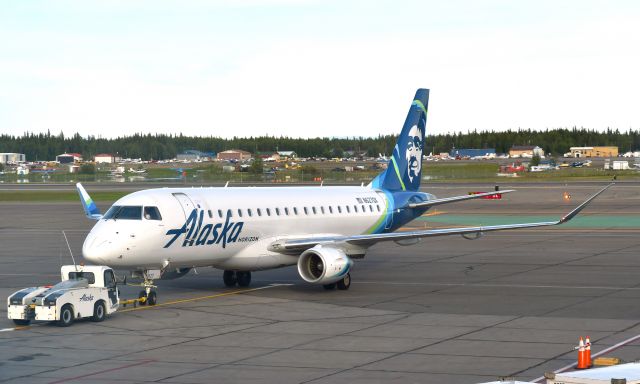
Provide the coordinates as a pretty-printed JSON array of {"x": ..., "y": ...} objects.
[
  {"x": 12, "y": 158},
  {"x": 105, "y": 158}
]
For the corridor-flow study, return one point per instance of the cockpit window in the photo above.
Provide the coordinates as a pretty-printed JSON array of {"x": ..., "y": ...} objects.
[
  {"x": 152, "y": 213},
  {"x": 124, "y": 213}
]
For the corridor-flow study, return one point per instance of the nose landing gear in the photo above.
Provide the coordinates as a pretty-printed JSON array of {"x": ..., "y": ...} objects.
[{"x": 149, "y": 293}]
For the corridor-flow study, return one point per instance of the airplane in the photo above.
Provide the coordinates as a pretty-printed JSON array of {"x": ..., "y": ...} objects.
[{"x": 163, "y": 233}]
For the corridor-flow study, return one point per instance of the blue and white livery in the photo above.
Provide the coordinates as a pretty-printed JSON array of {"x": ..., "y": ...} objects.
[{"x": 163, "y": 233}]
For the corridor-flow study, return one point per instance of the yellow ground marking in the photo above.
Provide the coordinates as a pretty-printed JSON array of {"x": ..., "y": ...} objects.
[{"x": 230, "y": 293}]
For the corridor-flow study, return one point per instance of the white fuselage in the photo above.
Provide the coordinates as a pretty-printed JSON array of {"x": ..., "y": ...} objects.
[{"x": 231, "y": 228}]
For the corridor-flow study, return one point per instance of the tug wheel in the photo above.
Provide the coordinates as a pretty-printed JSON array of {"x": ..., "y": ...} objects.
[
  {"x": 99, "y": 312},
  {"x": 66, "y": 316}
]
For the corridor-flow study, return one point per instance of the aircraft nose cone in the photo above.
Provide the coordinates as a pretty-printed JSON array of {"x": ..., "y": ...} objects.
[{"x": 95, "y": 250}]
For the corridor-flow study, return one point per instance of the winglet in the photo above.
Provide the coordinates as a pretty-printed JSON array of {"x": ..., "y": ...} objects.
[
  {"x": 90, "y": 209},
  {"x": 580, "y": 207}
]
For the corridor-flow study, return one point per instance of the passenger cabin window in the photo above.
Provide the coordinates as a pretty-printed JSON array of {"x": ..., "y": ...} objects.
[
  {"x": 364, "y": 209},
  {"x": 306, "y": 212},
  {"x": 330, "y": 209},
  {"x": 268, "y": 212},
  {"x": 295, "y": 211},
  {"x": 355, "y": 209},
  {"x": 249, "y": 212},
  {"x": 286, "y": 211},
  {"x": 210, "y": 214},
  {"x": 229, "y": 213},
  {"x": 377, "y": 206},
  {"x": 370, "y": 208},
  {"x": 152, "y": 213},
  {"x": 278, "y": 211},
  {"x": 239, "y": 212},
  {"x": 339, "y": 209},
  {"x": 124, "y": 213},
  {"x": 220, "y": 213},
  {"x": 348, "y": 210},
  {"x": 322, "y": 209},
  {"x": 259, "y": 212},
  {"x": 314, "y": 210}
]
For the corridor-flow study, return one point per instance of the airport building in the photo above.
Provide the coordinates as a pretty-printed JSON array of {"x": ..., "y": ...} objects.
[
  {"x": 593, "y": 151},
  {"x": 12, "y": 158},
  {"x": 234, "y": 155},
  {"x": 68, "y": 158},
  {"x": 106, "y": 158},
  {"x": 193, "y": 155},
  {"x": 525, "y": 151}
]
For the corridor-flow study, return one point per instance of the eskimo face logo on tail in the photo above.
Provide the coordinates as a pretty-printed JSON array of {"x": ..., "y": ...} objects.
[
  {"x": 413, "y": 153},
  {"x": 207, "y": 234}
]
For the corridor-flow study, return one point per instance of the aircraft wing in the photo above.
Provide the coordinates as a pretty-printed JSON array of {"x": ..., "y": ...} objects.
[
  {"x": 292, "y": 245},
  {"x": 430, "y": 203}
]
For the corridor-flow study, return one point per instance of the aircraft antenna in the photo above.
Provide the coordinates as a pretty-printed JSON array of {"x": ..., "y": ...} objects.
[{"x": 70, "y": 252}]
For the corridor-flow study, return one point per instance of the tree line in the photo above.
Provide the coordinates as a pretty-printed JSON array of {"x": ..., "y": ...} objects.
[{"x": 46, "y": 146}]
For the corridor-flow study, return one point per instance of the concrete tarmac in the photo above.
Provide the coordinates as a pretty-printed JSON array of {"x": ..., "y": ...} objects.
[{"x": 447, "y": 310}]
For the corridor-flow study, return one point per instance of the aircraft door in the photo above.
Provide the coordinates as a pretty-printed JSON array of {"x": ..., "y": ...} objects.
[
  {"x": 185, "y": 202},
  {"x": 388, "y": 219}
]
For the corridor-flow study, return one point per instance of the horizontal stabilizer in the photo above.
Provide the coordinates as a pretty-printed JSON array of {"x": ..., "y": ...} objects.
[{"x": 431, "y": 203}]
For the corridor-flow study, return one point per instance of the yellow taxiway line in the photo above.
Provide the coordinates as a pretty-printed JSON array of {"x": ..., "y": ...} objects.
[{"x": 230, "y": 293}]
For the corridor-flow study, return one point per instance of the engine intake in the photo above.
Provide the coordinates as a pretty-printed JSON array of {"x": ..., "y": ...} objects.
[{"x": 323, "y": 265}]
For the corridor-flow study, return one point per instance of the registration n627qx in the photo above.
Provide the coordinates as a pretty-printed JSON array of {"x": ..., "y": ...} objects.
[{"x": 163, "y": 233}]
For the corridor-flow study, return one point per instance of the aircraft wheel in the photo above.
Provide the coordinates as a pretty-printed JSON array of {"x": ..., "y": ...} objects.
[
  {"x": 21, "y": 322},
  {"x": 329, "y": 287},
  {"x": 141, "y": 295},
  {"x": 66, "y": 316},
  {"x": 152, "y": 298},
  {"x": 345, "y": 283},
  {"x": 99, "y": 312},
  {"x": 244, "y": 278},
  {"x": 229, "y": 278}
]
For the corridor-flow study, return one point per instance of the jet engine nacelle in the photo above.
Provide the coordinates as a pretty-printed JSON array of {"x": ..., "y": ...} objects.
[
  {"x": 323, "y": 265},
  {"x": 174, "y": 273}
]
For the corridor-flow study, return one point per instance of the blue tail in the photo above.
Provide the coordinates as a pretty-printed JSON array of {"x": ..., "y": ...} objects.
[{"x": 405, "y": 167}]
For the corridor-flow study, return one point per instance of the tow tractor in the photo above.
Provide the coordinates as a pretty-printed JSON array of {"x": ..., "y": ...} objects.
[{"x": 85, "y": 291}]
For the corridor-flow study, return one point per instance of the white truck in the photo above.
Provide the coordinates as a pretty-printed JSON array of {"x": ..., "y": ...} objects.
[{"x": 85, "y": 291}]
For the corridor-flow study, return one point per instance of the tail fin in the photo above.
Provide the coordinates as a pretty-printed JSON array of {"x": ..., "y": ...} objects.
[{"x": 405, "y": 166}]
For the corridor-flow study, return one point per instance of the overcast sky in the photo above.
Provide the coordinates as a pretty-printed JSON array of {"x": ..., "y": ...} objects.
[{"x": 316, "y": 68}]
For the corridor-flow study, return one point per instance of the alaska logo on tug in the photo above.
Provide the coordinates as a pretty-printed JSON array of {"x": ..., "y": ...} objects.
[{"x": 207, "y": 234}]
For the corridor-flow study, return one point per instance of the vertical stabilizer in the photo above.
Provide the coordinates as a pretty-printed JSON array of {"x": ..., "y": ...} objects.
[{"x": 405, "y": 166}]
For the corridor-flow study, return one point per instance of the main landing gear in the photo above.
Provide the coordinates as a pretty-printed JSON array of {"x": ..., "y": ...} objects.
[
  {"x": 231, "y": 278},
  {"x": 342, "y": 285}
]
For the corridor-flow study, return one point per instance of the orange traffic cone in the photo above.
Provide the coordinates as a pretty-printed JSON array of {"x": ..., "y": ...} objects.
[
  {"x": 582, "y": 363},
  {"x": 587, "y": 352}
]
